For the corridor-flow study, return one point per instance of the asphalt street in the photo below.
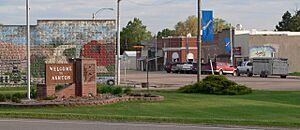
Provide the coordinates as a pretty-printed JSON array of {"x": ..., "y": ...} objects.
[
  {"x": 170, "y": 80},
  {"x": 20, "y": 124}
]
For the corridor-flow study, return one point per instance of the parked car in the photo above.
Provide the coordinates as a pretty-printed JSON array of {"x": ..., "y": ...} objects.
[
  {"x": 220, "y": 68},
  {"x": 168, "y": 67},
  {"x": 109, "y": 80},
  {"x": 188, "y": 68},
  {"x": 176, "y": 68}
]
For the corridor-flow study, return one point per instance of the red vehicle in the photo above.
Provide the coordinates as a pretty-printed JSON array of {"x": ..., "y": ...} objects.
[{"x": 221, "y": 68}]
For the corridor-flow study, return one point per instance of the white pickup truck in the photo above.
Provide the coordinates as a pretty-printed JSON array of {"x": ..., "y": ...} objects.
[{"x": 245, "y": 68}]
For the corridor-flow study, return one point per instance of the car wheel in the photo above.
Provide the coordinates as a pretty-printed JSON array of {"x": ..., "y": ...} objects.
[
  {"x": 235, "y": 73},
  {"x": 221, "y": 72},
  {"x": 110, "y": 82}
]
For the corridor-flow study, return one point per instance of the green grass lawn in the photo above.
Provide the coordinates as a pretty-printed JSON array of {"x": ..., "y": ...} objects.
[{"x": 262, "y": 108}]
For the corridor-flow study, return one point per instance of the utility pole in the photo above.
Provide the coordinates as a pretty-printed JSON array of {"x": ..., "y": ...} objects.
[
  {"x": 199, "y": 41},
  {"x": 118, "y": 44},
  {"x": 156, "y": 66},
  {"x": 231, "y": 45},
  {"x": 28, "y": 49}
]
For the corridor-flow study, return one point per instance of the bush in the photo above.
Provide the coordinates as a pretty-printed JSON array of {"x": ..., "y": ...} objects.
[
  {"x": 117, "y": 90},
  {"x": 19, "y": 95},
  {"x": 128, "y": 91},
  {"x": 50, "y": 98},
  {"x": 2, "y": 98},
  {"x": 219, "y": 85},
  {"x": 104, "y": 89},
  {"x": 59, "y": 87},
  {"x": 8, "y": 96},
  {"x": 33, "y": 93},
  {"x": 16, "y": 99}
]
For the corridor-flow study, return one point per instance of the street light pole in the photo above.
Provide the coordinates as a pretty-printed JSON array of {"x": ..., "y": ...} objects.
[
  {"x": 118, "y": 44},
  {"x": 102, "y": 9},
  {"x": 28, "y": 49},
  {"x": 199, "y": 41}
]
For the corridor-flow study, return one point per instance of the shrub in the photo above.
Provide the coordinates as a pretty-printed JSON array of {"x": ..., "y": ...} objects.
[
  {"x": 33, "y": 93},
  {"x": 128, "y": 91},
  {"x": 117, "y": 90},
  {"x": 59, "y": 87},
  {"x": 16, "y": 99},
  {"x": 2, "y": 98},
  {"x": 19, "y": 95},
  {"x": 50, "y": 98},
  {"x": 8, "y": 96},
  {"x": 104, "y": 89},
  {"x": 219, "y": 85}
]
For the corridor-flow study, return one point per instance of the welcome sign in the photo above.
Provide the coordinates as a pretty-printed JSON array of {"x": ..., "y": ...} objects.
[{"x": 59, "y": 73}]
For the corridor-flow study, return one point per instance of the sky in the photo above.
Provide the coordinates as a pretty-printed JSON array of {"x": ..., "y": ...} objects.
[{"x": 155, "y": 14}]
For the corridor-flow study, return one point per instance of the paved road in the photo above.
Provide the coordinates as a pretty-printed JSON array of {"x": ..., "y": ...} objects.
[
  {"x": 84, "y": 125},
  {"x": 163, "y": 79}
]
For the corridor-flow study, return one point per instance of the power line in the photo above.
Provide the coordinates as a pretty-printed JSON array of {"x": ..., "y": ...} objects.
[{"x": 156, "y": 3}]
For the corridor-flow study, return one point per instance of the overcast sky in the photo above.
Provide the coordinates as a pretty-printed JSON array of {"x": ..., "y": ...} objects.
[{"x": 155, "y": 14}]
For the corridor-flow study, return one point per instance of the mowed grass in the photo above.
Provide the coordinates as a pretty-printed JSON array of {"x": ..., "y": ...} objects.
[
  {"x": 261, "y": 108},
  {"x": 12, "y": 90}
]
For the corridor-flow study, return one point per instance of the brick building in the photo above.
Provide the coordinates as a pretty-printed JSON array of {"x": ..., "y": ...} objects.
[{"x": 183, "y": 49}]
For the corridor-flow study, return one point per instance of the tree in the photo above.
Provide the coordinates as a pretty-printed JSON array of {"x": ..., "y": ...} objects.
[
  {"x": 133, "y": 34},
  {"x": 165, "y": 33},
  {"x": 220, "y": 24},
  {"x": 190, "y": 25},
  {"x": 285, "y": 23},
  {"x": 289, "y": 22}
]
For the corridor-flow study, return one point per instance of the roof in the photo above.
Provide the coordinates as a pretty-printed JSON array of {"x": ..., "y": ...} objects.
[
  {"x": 255, "y": 32},
  {"x": 130, "y": 53}
]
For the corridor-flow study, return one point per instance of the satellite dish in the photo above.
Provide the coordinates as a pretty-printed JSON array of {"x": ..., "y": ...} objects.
[{"x": 239, "y": 27}]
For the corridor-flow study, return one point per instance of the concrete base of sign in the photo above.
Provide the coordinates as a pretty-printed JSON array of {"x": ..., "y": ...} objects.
[{"x": 81, "y": 83}]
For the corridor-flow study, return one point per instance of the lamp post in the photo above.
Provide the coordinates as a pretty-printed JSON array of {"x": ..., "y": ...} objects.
[
  {"x": 28, "y": 49},
  {"x": 100, "y": 10},
  {"x": 199, "y": 41},
  {"x": 118, "y": 43}
]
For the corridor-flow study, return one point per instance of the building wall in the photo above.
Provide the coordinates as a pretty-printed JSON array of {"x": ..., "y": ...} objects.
[
  {"x": 285, "y": 47},
  {"x": 243, "y": 42},
  {"x": 212, "y": 49},
  {"x": 50, "y": 37}
]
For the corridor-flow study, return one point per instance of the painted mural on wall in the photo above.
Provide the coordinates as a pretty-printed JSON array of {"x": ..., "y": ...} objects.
[
  {"x": 262, "y": 51},
  {"x": 56, "y": 41}
]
